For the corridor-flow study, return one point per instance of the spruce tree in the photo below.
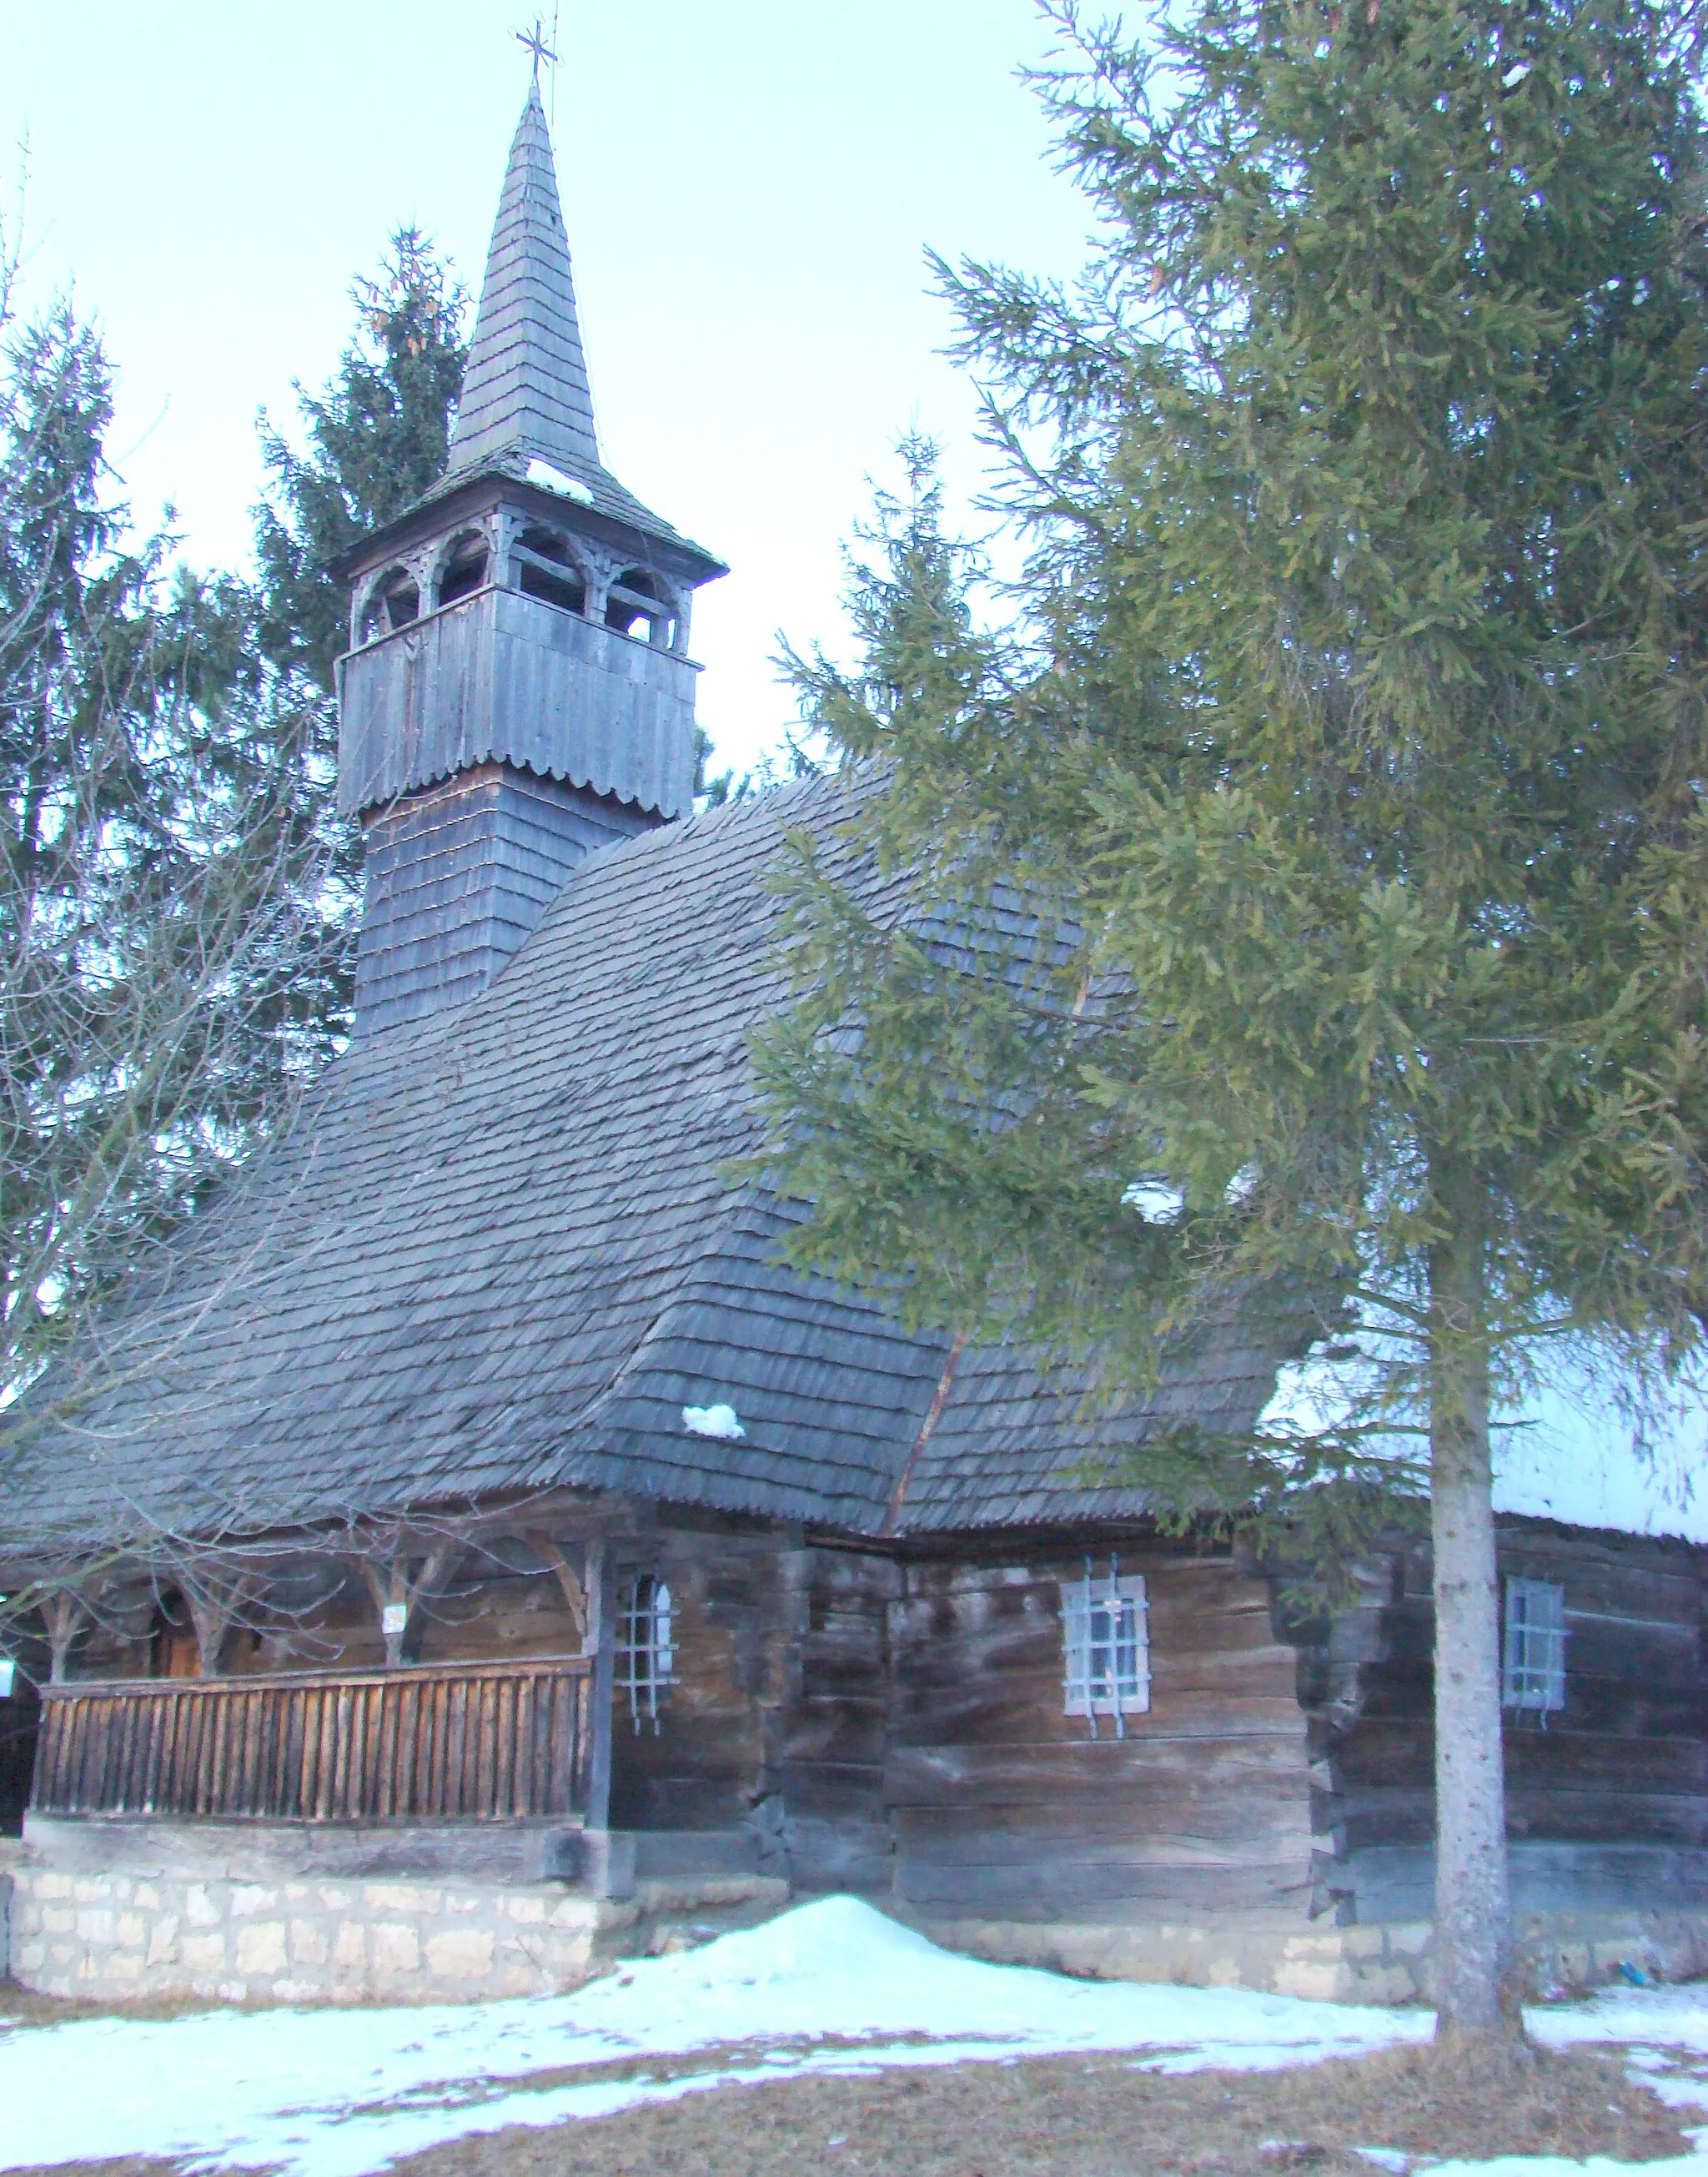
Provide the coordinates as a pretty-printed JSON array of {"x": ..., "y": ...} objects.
[
  {"x": 1297, "y": 908},
  {"x": 377, "y": 438}
]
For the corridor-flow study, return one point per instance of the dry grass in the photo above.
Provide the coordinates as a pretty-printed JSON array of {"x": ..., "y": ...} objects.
[
  {"x": 1069, "y": 2117},
  {"x": 22, "y": 2006}
]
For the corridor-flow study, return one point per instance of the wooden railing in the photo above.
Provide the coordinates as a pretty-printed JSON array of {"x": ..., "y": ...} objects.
[{"x": 468, "y": 1742}]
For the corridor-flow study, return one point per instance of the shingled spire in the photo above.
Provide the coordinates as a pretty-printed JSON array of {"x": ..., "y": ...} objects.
[{"x": 526, "y": 390}]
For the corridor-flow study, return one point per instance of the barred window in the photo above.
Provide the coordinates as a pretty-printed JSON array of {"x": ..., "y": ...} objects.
[
  {"x": 646, "y": 1656},
  {"x": 1107, "y": 1647},
  {"x": 1533, "y": 1660}
]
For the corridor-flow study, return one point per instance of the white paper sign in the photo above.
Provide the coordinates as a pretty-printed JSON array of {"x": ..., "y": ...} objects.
[{"x": 394, "y": 1619}]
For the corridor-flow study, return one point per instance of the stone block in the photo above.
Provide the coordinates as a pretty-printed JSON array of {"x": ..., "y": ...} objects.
[
  {"x": 127, "y": 1966},
  {"x": 582, "y": 1914},
  {"x": 147, "y": 1897},
  {"x": 403, "y": 1897},
  {"x": 249, "y": 1900},
  {"x": 201, "y": 1909},
  {"x": 203, "y": 1954},
  {"x": 349, "y": 1946},
  {"x": 131, "y": 1932},
  {"x": 260, "y": 1947},
  {"x": 1409, "y": 1939},
  {"x": 529, "y": 1910},
  {"x": 46, "y": 1884},
  {"x": 462, "y": 1954},
  {"x": 1325, "y": 1950},
  {"x": 59, "y": 1919},
  {"x": 394, "y": 1950},
  {"x": 334, "y": 1897},
  {"x": 1318, "y": 1980},
  {"x": 163, "y": 1940},
  {"x": 97, "y": 1924},
  {"x": 309, "y": 1943}
]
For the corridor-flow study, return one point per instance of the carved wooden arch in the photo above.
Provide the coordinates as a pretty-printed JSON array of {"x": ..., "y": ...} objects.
[
  {"x": 370, "y": 591},
  {"x": 441, "y": 554}
]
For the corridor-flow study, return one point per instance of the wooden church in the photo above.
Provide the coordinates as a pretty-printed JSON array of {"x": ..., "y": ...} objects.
[{"x": 478, "y": 1515}]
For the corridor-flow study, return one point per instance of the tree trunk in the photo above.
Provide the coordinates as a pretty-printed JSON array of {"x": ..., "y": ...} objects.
[{"x": 1475, "y": 1962}]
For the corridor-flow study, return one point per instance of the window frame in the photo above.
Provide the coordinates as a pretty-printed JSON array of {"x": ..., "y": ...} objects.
[
  {"x": 1532, "y": 1649},
  {"x": 646, "y": 1645},
  {"x": 1123, "y": 1688}
]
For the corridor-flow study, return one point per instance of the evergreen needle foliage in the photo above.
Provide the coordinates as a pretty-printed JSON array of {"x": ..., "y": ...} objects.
[
  {"x": 377, "y": 441},
  {"x": 1295, "y": 918}
]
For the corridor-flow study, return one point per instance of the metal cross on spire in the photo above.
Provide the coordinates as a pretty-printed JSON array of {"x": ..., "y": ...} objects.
[{"x": 534, "y": 41}]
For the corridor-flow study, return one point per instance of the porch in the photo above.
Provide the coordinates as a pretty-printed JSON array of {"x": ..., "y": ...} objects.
[
  {"x": 489, "y": 1770},
  {"x": 432, "y": 1742},
  {"x": 425, "y": 1831}
]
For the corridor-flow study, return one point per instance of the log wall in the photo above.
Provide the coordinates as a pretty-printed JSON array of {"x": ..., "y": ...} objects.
[
  {"x": 1002, "y": 1805},
  {"x": 1610, "y": 1792},
  {"x": 777, "y": 1721},
  {"x": 865, "y": 1722}
]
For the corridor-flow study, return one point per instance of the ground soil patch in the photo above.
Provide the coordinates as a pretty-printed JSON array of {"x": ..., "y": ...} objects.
[{"x": 1079, "y": 2117}]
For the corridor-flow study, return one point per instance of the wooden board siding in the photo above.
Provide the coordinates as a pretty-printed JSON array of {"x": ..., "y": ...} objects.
[
  {"x": 1001, "y": 1805},
  {"x": 459, "y": 1742},
  {"x": 498, "y": 674}
]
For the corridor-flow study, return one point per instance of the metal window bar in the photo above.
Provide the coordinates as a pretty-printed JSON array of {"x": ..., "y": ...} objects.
[
  {"x": 1107, "y": 1647},
  {"x": 1533, "y": 1660},
  {"x": 645, "y": 1655}
]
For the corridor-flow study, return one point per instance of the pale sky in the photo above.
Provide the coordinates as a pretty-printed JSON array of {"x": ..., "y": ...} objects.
[{"x": 748, "y": 187}]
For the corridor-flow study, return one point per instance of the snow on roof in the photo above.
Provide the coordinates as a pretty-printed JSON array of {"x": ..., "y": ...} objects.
[
  {"x": 1573, "y": 1456},
  {"x": 1570, "y": 1452}
]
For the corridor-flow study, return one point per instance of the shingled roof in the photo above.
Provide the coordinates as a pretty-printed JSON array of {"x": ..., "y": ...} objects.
[{"x": 497, "y": 1253}]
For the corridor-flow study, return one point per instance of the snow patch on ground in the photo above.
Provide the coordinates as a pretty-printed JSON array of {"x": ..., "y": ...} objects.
[{"x": 341, "y": 2093}]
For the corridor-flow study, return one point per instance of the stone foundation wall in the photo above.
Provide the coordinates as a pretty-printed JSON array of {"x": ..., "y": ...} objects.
[
  {"x": 1561, "y": 1953},
  {"x": 113, "y": 1936}
]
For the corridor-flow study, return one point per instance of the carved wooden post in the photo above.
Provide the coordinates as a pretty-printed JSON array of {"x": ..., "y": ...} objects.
[
  {"x": 398, "y": 1596},
  {"x": 215, "y": 1606},
  {"x": 65, "y": 1614},
  {"x": 600, "y": 1642},
  {"x": 569, "y": 1581}
]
